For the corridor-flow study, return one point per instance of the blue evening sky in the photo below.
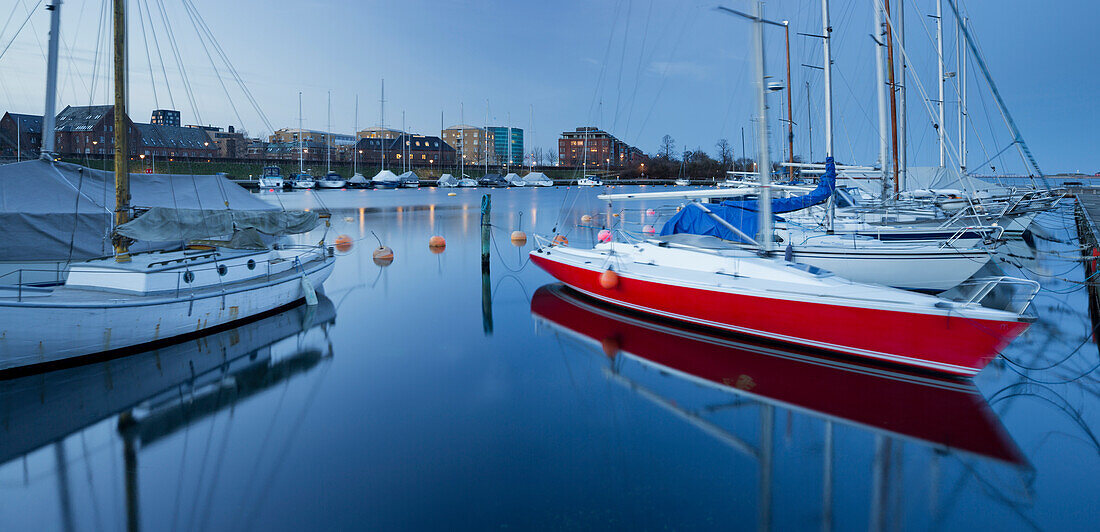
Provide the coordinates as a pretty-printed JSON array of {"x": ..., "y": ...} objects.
[{"x": 639, "y": 69}]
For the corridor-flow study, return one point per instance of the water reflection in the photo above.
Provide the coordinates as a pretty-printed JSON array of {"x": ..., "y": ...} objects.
[
  {"x": 647, "y": 357},
  {"x": 153, "y": 394}
]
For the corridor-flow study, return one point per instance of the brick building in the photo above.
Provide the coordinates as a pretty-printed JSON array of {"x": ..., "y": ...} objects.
[
  {"x": 603, "y": 149},
  {"x": 476, "y": 145},
  {"x": 378, "y": 132},
  {"x": 19, "y": 132},
  {"x": 420, "y": 150}
]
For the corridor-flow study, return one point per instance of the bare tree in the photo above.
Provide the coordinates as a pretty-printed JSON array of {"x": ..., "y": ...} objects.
[
  {"x": 668, "y": 147},
  {"x": 551, "y": 157},
  {"x": 725, "y": 153}
]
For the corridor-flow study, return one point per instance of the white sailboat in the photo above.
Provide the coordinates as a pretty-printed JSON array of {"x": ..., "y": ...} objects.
[
  {"x": 301, "y": 180},
  {"x": 119, "y": 303}
]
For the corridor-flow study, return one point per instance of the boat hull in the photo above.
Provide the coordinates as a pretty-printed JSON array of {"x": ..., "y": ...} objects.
[
  {"x": 123, "y": 324},
  {"x": 933, "y": 272},
  {"x": 943, "y": 343}
]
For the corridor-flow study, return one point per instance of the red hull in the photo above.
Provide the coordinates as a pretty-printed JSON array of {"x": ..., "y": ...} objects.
[
  {"x": 946, "y": 413},
  {"x": 948, "y": 344}
]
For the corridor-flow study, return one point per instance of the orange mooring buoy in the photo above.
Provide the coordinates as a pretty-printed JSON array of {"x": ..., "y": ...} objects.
[
  {"x": 586, "y": 218},
  {"x": 383, "y": 256},
  {"x": 649, "y": 230},
  {"x": 437, "y": 242},
  {"x": 609, "y": 279},
  {"x": 343, "y": 243},
  {"x": 519, "y": 238},
  {"x": 561, "y": 240}
]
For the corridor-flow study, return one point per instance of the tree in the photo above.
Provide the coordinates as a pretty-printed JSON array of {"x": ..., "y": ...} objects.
[
  {"x": 743, "y": 164},
  {"x": 536, "y": 155},
  {"x": 551, "y": 157},
  {"x": 668, "y": 147},
  {"x": 725, "y": 153}
]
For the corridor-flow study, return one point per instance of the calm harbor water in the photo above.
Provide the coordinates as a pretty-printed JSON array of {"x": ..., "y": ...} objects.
[{"x": 423, "y": 395}]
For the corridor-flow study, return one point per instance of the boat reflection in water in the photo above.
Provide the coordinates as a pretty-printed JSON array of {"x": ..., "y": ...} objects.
[
  {"x": 944, "y": 413},
  {"x": 949, "y": 416},
  {"x": 157, "y": 393}
]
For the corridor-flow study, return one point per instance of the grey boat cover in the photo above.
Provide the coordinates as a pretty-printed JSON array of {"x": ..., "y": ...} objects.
[
  {"x": 385, "y": 176},
  {"x": 166, "y": 223},
  {"x": 447, "y": 180},
  {"x": 46, "y": 208},
  {"x": 538, "y": 178}
]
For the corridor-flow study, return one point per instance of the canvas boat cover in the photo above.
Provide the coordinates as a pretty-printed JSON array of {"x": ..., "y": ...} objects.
[
  {"x": 166, "y": 223},
  {"x": 447, "y": 180},
  {"x": 385, "y": 176},
  {"x": 512, "y": 178},
  {"x": 47, "y": 208},
  {"x": 409, "y": 176},
  {"x": 743, "y": 214},
  {"x": 537, "y": 178},
  {"x": 357, "y": 179}
]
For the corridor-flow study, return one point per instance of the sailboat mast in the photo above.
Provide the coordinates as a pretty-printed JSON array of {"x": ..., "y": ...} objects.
[
  {"x": 301, "y": 156},
  {"x": 939, "y": 63},
  {"x": 404, "y": 140},
  {"x": 903, "y": 106},
  {"x": 893, "y": 94},
  {"x": 880, "y": 78},
  {"x": 355, "y": 147},
  {"x": 790, "y": 115},
  {"x": 49, "y": 118},
  {"x": 326, "y": 136},
  {"x": 827, "y": 66},
  {"x": 826, "y": 46},
  {"x": 382, "y": 126},
  {"x": 960, "y": 68},
  {"x": 122, "y": 149},
  {"x": 765, "y": 201},
  {"x": 486, "y": 136}
]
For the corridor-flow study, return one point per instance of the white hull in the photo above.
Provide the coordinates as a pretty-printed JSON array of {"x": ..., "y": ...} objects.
[
  {"x": 332, "y": 184},
  {"x": 934, "y": 271},
  {"x": 304, "y": 184},
  {"x": 86, "y": 322},
  {"x": 271, "y": 183}
]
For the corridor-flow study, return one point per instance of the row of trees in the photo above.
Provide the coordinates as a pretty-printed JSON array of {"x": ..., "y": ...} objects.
[{"x": 693, "y": 163}]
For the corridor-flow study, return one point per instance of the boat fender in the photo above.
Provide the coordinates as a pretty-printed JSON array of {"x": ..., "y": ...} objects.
[
  {"x": 586, "y": 218},
  {"x": 561, "y": 240},
  {"x": 609, "y": 279},
  {"x": 788, "y": 253},
  {"x": 308, "y": 291},
  {"x": 603, "y": 236}
]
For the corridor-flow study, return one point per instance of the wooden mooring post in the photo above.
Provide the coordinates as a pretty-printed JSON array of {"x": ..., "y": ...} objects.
[{"x": 486, "y": 286}]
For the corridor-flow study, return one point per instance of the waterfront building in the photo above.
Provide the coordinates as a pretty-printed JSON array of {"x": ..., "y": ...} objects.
[
  {"x": 378, "y": 132},
  {"x": 419, "y": 151},
  {"x": 20, "y": 132},
  {"x": 501, "y": 135},
  {"x": 165, "y": 117},
  {"x": 603, "y": 149},
  {"x": 476, "y": 145},
  {"x": 309, "y": 135}
]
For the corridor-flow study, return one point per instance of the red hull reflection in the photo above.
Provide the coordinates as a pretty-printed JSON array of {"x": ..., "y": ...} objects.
[{"x": 948, "y": 414}]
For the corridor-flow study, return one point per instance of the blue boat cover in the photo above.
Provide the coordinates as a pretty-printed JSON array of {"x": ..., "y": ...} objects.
[{"x": 743, "y": 214}]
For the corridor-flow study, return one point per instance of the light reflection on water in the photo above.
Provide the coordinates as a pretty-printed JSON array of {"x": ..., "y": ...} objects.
[{"x": 391, "y": 406}]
